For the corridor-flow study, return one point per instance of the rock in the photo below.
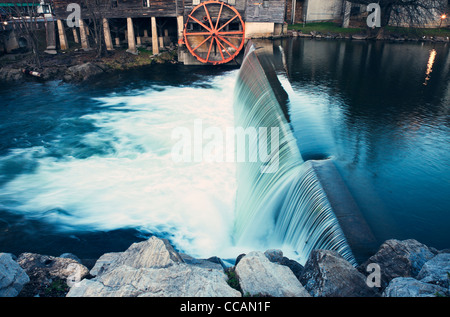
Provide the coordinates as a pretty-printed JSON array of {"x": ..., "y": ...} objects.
[
  {"x": 43, "y": 270},
  {"x": 51, "y": 52},
  {"x": 84, "y": 71},
  {"x": 276, "y": 256},
  {"x": 209, "y": 264},
  {"x": 410, "y": 287},
  {"x": 70, "y": 256},
  {"x": 300, "y": 34},
  {"x": 152, "y": 268},
  {"x": 103, "y": 263},
  {"x": 133, "y": 52},
  {"x": 239, "y": 258},
  {"x": 359, "y": 37},
  {"x": 399, "y": 259},
  {"x": 436, "y": 271},
  {"x": 328, "y": 274},
  {"x": 12, "y": 276},
  {"x": 11, "y": 74},
  {"x": 258, "y": 276}
]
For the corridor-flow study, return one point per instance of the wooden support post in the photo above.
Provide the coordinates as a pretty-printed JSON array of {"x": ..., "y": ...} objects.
[
  {"x": 83, "y": 35},
  {"x": 75, "y": 35},
  {"x": 180, "y": 27},
  {"x": 63, "y": 44},
  {"x": 107, "y": 33},
  {"x": 130, "y": 35},
  {"x": 155, "y": 47}
]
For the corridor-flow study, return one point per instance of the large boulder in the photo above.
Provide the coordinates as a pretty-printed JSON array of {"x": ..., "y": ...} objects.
[
  {"x": 45, "y": 270},
  {"x": 399, "y": 259},
  {"x": 436, "y": 271},
  {"x": 151, "y": 268},
  {"x": 12, "y": 276},
  {"x": 83, "y": 71},
  {"x": 410, "y": 287},
  {"x": 259, "y": 276},
  {"x": 10, "y": 74},
  {"x": 328, "y": 274}
]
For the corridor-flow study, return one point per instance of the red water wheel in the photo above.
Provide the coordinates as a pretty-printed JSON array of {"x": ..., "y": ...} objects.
[{"x": 214, "y": 32}]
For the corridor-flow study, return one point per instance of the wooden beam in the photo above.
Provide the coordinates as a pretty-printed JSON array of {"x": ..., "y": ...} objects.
[
  {"x": 63, "y": 44},
  {"x": 83, "y": 35},
  {"x": 155, "y": 44},
  {"x": 130, "y": 35},
  {"x": 107, "y": 33}
]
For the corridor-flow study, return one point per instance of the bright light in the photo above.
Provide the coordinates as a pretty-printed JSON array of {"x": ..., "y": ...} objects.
[
  {"x": 5, "y": 23},
  {"x": 444, "y": 16}
]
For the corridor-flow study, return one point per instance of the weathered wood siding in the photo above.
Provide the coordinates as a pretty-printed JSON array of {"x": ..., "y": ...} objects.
[
  {"x": 239, "y": 5},
  {"x": 265, "y": 11},
  {"x": 124, "y": 8}
]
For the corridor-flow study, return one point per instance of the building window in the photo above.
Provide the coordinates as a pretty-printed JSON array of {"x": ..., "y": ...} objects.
[
  {"x": 266, "y": 4},
  {"x": 146, "y": 3},
  {"x": 232, "y": 2},
  {"x": 114, "y": 3},
  {"x": 195, "y": 2}
]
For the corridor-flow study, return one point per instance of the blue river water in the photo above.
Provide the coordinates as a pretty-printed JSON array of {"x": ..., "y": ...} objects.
[{"x": 87, "y": 168}]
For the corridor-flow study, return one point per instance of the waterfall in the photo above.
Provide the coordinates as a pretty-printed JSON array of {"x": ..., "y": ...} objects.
[{"x": 287, "y": 207}]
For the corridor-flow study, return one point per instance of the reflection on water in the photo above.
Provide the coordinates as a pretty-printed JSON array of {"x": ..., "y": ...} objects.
[
  {"x": 365, "y": 105},
  {"x": 430, "y": 65}
]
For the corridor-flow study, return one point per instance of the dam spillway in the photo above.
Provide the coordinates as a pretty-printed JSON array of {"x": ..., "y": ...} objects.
[{"x": 301, "y": 205}]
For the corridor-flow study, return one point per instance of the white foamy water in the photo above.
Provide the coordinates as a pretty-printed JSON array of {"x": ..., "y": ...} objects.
[{"x": 137, "y": 184}]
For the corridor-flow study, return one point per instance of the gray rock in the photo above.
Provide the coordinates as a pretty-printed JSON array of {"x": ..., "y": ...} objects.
[
  {"x": 152, "y": 268},
  {"x": 104, "y": 262},
  {"x": 84, "y": 71},
  {"x": 359, "y": 37},
  {"x": 44, "y": 269},
  {"x": 399, "y": 259},
  {"x": 276, "y": 256},
  {"x": 328, "y": 274},
  {"x": 436, "y": 270},
  {"x": 70, "y": 256},
  {"x": 201, "y": 262},
  {"x": 410, "y": 287},
  {"x": 11, "y": 75},
  {"x": 258, "y": 276},
  {"x": 12, "y": 276}
]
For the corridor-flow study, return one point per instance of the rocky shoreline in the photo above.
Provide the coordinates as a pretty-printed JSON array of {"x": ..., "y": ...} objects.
[
  {"x": 152, "y": 268},
  {"x": 77, "y": 65}
]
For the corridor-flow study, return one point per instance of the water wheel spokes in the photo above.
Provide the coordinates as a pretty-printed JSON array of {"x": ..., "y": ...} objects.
[{"x": 214, "y": 24}]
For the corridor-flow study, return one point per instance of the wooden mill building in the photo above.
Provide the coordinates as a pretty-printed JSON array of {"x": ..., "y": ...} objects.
[{"x": 157, "y": 23}]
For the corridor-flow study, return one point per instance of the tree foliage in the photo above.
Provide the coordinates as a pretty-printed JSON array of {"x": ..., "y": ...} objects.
[{"x": 408, "y": 12}]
